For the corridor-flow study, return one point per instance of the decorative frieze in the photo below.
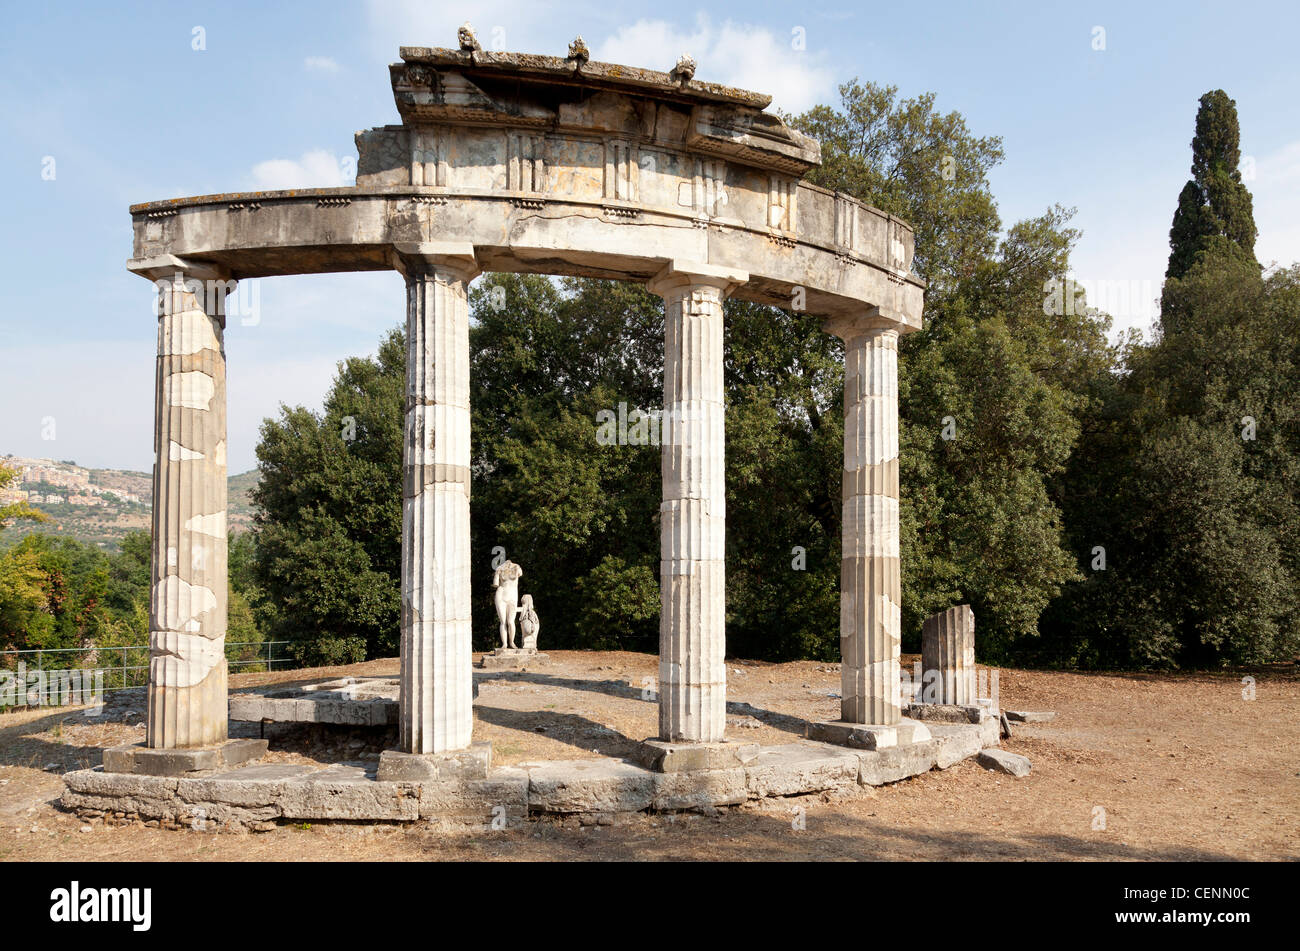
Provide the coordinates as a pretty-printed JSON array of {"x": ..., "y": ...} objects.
[
  {"x": 846, "y": 222},
  {"x": 618, "y": 211},
  {"x": 709, "y": 187},
  {"x": 428, "y": 159},
  {"x": 526, "y": 162},
  {"x": 781, "y": 202},
  {"x": 622, "y": 170}
]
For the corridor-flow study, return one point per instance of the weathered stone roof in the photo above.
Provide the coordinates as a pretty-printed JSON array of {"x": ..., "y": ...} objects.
[
  {"x": 584, "y": 72},
  {"x": 476, "y": 86}
]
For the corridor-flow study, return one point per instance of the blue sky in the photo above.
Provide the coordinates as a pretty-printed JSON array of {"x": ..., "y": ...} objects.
[{"x": 130, "y": 111}]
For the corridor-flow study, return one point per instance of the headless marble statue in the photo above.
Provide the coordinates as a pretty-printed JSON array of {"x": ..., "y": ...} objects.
[{"x": 506, "y": 582}]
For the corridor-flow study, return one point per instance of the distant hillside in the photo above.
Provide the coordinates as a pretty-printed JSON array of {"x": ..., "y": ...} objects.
[
  {"x": 239, "y": 506},
  {"x": 99, "y": 506}
]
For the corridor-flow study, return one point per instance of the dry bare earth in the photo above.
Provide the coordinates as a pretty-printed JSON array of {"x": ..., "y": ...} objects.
[{"x": 1183, "y": 766}]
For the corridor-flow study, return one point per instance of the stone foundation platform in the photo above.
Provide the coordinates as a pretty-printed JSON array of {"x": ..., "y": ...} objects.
[
  {"x": 255, "y": 798},
  {"x": 513, "y": 658}
]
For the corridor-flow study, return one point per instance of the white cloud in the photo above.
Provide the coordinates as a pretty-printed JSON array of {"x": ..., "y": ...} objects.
[
  {"x": 734, "y": 54},
  {"x": 316, "y": 169},
  {"x": 320, "y": 64}
]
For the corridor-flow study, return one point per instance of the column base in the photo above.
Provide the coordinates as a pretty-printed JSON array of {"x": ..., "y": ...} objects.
[
  {"x": 142, "y": 760},
  {"x": 396, "y": 766},
  {"x": 868, "y": 736},
  {"x": 661, "y": 756}
]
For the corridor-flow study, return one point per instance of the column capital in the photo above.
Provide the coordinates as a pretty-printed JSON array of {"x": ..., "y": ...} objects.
[
  {"x": 413, "y": 259},
  {"x": 165, "y": 267},
  {"x": 677, "y": 274},
  {"x": 872, "y": 322}
]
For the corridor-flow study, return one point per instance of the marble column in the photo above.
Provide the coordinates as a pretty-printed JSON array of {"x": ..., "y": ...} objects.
[
  {"x": 948, "y": 656},
  {"x": 692, "y": 573},
  {"x": 187, "y": 617},
  {"x": 870, "y": 593},
  {"x": 436, "y": 678}
]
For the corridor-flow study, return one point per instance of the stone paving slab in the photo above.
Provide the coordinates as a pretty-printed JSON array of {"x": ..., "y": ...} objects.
[
  {"x": 589, "y": 786},
  {"x": 704, "y": 789},
  {"x": 956, "y": 742},
  {"x": 798, "y": 768},
  {"x": 878, "y": 767}
]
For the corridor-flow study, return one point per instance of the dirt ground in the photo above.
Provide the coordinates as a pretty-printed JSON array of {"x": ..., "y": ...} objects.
[{"x": 1135, "y": 766}]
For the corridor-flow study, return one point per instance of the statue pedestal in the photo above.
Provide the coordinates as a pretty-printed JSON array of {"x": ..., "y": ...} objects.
[{"x": 514, "y": 658}]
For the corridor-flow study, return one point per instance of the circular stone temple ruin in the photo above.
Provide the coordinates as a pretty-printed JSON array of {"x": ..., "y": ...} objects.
[{"x": 563, "y": 166}]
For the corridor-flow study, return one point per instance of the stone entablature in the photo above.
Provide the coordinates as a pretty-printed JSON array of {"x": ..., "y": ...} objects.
[
  {"x": 306, "y": 231},
  {"x": 567, "y": 167}
]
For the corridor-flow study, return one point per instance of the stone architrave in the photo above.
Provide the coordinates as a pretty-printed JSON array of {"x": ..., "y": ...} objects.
[
  {"x": 870, "y": 585},
  {"x": 187, "y": 616},
  {"x": 693, "y": 513},
  {"x": 436, "y": 678},
  {"x": 948, "y": 657}
]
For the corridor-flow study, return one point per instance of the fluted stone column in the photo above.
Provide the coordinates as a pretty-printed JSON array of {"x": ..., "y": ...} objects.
[
  {"x": 187, "y": 617},
  {"x": 948, "y": 656},
  {"x": 436, "y": 677},
  {"x": 692, "y": 573},
  {"x": 870, "y": 587}
]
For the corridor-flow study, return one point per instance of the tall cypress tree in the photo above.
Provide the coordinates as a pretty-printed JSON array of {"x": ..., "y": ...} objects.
[{"x": 1215, "y": 203}]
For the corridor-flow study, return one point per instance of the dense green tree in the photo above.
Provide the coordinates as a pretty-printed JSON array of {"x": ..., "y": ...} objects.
[
  {"x": 991, "y": 390},
  {"x": 1215, "y": 205},
  {"x": 1186, "y": 476},
  {"x": 580, "y": 516},
  {"x": 329, "y": 516}
]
